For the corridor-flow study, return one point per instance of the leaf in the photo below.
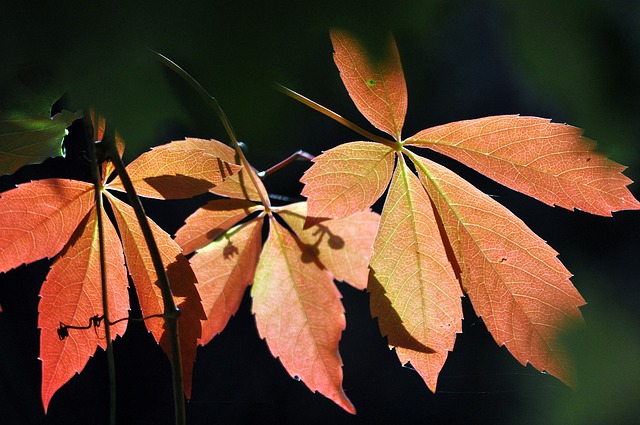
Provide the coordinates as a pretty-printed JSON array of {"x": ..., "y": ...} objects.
[
  {"x": 181, "y": 278},
  {"x": 225, "y": 268},
  {"x": 346, "y": 180},
  {"x": 99, "y": 127},
  {"x": 210, "y": 221},
  {"x": 414, "y": 290},
  {"x": 342, "y": 245},
  {"x": 39, "y": 217},
  {"x": 238, "y": 185},
  {"x": 299, "y": 313},
  {"x": 32, "y": 139},
  {"x": 550, "y": 162},
  {"x": 379, "y": 92},
  {"x": 173, "y": 172},
  {"x": 72, "y": 294},
  {"x": 513, "y": 278}
]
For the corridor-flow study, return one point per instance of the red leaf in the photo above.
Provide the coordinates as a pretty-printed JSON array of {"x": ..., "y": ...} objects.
[
  {"x": 181, "y": 278},
  {"x": 72, "y": 294},
  {"x": 173, "y": 171},
  {"x": 299, "y": 313},
  {"x": 210, "y": 221},
  {"x": 239, "y": 185},
  {"x": 343, "y": 246},
  {"x": 346, "y": 180},
  {"x": 225, "y": 268},
  {"x": 414, "y": 290},
  {"x": 379, "y": 92},
  {"x": 550, "y": 162},
  {"x": 39, "y": 217},
  {"x": 513, "y": 278}
]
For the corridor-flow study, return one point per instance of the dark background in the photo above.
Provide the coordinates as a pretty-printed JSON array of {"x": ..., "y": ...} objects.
[{"x": 574, "y": 61}]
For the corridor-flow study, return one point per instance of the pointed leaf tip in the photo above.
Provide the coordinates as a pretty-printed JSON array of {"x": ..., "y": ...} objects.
[
  {"x": 414, "y": 290},
  {"x": 299, "y": 313},
  {"x": 547, "y": 161},
  {"x": 379, "y": 91},
  {"x": 513, "y": 278}
]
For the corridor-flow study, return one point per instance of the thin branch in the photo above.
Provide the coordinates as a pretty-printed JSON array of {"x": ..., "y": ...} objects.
[
  {"x": 293, "y": 157},
  {"x": 97, "y": 181},
  {"x": 171, "y": 311},
  {"x": 336, "y": 117},
  {"x": 213, "y": 103}
]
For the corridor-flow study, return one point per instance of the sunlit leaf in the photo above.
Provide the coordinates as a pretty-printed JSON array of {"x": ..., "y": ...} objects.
[
  {"x": 513, "y": 278},
  {"x": 378, "y": 90},
  {"x": 39, "y": 217},
  {"x": 342, "y": 245},
  {"x": 414, "y": 290},
  {"x": 225, "y": 268},
  {"x": 173, "y": 172},
  {"x": 72, "y": 295},
  {"x": 210, "y": 221},
  {"x": 346, "y": 180},
  {"x": 299, "y": 313},
  {"x": 550, "y": 162}
]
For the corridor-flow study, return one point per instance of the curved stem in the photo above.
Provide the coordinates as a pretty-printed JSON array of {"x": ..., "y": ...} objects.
[
  {"x": 171, "y": 311},
  {"x": 339, "y": 118},
  {"x": 213, "y": 103},
  {"x": 97, "y": 181}
]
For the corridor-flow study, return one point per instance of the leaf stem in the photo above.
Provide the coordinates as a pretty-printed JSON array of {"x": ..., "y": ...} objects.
[
  {"x": 336, "y": 117},
  {"x": 294, "y": 156},
  {"x": 213, "y": 103},
  {"x": 171, "y": 312},
  {"x": 97, "y": 181}
]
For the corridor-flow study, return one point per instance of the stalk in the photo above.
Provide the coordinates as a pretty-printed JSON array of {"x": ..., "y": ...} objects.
[
  {"x": 97, "y": 181},
  {"x": 213, "y": 103},
  {"x": 171, "y": 312},
  {"x": 336, "y": 117}
]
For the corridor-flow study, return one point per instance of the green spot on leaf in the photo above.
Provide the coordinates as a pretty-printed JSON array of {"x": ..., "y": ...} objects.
[{"x": 371, "y": 83}]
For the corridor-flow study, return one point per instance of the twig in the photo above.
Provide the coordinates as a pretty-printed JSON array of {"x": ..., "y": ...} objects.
[{"x": 171, "y": 312}]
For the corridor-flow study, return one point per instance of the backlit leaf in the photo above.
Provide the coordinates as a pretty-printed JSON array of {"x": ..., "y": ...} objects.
[
  {"x": 414, "y": 290},
  {"x": 514, "y": 279},
  {"x": 172, "y": 172},
  {"x": 225, "y": 268},
  {"x": 299, "y": 313},
  {"x": 238, "y": 185},
  {"x": 181, "y": 278},
  {"x": 378, "y": 90},
  {"x": 550, "y": 162},
  {"x": 342, "y": 245},
  {"x": 346, "y": 180},
  {"x": 210, "y": 221},
  {"x": 72, "y": 294},
  {"x": 39, "y": 217}
]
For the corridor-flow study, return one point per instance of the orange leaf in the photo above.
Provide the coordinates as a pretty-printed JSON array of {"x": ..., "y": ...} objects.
[
  {"x": 181, "y": 278},
  {"x": 299, "y": 313},
  {"x": 210, "y": 221},
  {"x": 174, "y": 172},
  {"x": 39, "y": 217},
  {"x": 342, "y": 245},
  {"x": 414, "y": 290},
  {"x": 346, "y": 180},
  {"x": 379, "y": 92},
  {"x": 513, "y": 278},
  {"x": 72, "y": 294},
  {"x": 238, "y": 185},
  {"x": 550, "y": 162},
  {"x": 225, "y": 268}
]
